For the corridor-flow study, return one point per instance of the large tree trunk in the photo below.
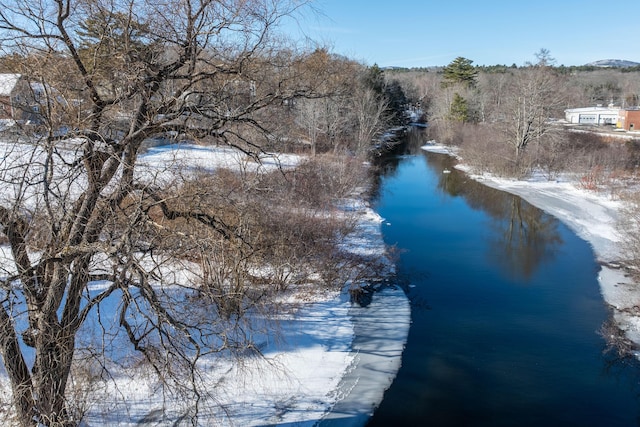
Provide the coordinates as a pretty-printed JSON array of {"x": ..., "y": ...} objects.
[
  {"x": 17, "y": 370},
  {"x": 38, "y": 395},
  {"x": 50, "y": 373}
]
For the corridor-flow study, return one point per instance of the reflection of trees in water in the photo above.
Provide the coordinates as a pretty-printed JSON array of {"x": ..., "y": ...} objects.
[
  {"x": 524, "y": 235},
  {"x": 387, "y": 164},
  {"x": 530, "y": 237},
  {"x": 523, "y": 238}
]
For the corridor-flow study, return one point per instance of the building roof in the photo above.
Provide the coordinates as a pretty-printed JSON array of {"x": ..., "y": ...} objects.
[
  {"x": 7, "y": 83},
  {"x": 593, "y": 109}
]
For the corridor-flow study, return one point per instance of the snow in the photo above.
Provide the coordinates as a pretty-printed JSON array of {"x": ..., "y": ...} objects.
[
  {"x": 294, "y": 382},
  {"x": 380, "y": 334},
  {"x": 329, "y": 363},
  {"x": 592, "y": 216},
  {"x": 199, "y": 157},
  {"x": 7, "y": 83}
]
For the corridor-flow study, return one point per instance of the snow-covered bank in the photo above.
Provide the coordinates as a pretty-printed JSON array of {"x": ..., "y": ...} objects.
[
  {"x": 294, "y": 383},
  {"x": 326, "y": 353},
  {"x": 592, "y": 216},
  {"x": 329, "y": 365},
  {"x": 381, "y": 331}
]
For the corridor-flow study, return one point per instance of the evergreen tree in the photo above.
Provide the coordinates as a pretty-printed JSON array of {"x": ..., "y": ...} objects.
[
  {"x": 397, "y": 101},
  {"x": 374, "y": 79},
  {"x": 460, "y": 71},
  {"x": 109, "y": 40},
  {"x": 390, "y": 93},
  {"x": 459, "y": 110}
]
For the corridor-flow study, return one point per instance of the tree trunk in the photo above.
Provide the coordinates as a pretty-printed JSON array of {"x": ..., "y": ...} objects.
[
  {"x": 54, "y": 354},
  {"x": 17, "y": 370}
]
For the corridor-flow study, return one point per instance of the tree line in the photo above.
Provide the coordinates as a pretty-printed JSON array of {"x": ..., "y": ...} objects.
[{"x": 508, "y": 119}]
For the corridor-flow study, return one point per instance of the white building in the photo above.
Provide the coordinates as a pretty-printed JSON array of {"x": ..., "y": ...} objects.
[{"x": 593, "y": 115}]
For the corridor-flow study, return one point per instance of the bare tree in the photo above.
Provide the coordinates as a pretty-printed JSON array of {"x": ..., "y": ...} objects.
[
  {"x": 77, "y": 207},
  {"x": 369, "y": 118},
  {"x": 628, "y": 226},
  {"x": 309, "y": 116},
  {"x": 324, "y": 120},
  {"x": 492, "y": 94},
  {"x": 534, "y": 98}
]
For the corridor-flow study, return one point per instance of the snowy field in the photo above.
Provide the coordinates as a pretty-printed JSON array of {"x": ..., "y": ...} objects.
[
  {"x": 592, "y": 216},
  {"x": 329, "y": 363}
]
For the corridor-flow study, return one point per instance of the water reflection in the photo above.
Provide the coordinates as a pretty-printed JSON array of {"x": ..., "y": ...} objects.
[
  {"x": 387, "y": 164},
  {"x": 522, "y": 237}
]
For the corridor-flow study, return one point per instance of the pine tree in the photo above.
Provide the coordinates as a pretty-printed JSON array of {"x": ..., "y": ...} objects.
[
  {"x": 459, "y": 110},
  {"x": 460, "y": 71},
  {"x": 110, "y": 39},
  {"x": 374, "y": 79}
]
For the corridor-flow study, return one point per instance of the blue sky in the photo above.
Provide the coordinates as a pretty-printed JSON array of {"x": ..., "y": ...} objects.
[{"x": 414, "y": 33}]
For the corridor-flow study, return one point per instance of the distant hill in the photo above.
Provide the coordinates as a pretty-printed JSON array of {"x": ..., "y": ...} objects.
[{"x": 613, "y": 63}]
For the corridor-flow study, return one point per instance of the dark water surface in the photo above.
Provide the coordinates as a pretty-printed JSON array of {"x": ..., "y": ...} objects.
[{"x": 506, "y": 310}]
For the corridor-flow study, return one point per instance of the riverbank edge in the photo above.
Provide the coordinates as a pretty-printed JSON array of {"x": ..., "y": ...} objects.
[
  {"x": 380, "y": 332},
  {"x": 380, "y": 335},
  {"x": 592, "y": 216}
]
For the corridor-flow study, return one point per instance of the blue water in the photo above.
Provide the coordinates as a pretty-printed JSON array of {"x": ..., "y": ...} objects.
[{"x": 506, "y": 310}]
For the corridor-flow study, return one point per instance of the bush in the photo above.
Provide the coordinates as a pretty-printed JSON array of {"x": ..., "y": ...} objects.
[{"x": 283, "y": 228}]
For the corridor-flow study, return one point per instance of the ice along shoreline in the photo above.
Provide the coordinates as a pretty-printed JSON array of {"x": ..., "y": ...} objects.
[{"x": 380, "y": 331}]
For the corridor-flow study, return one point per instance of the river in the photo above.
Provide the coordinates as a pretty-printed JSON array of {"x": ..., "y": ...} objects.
[{"x": 506, "y": 308}]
